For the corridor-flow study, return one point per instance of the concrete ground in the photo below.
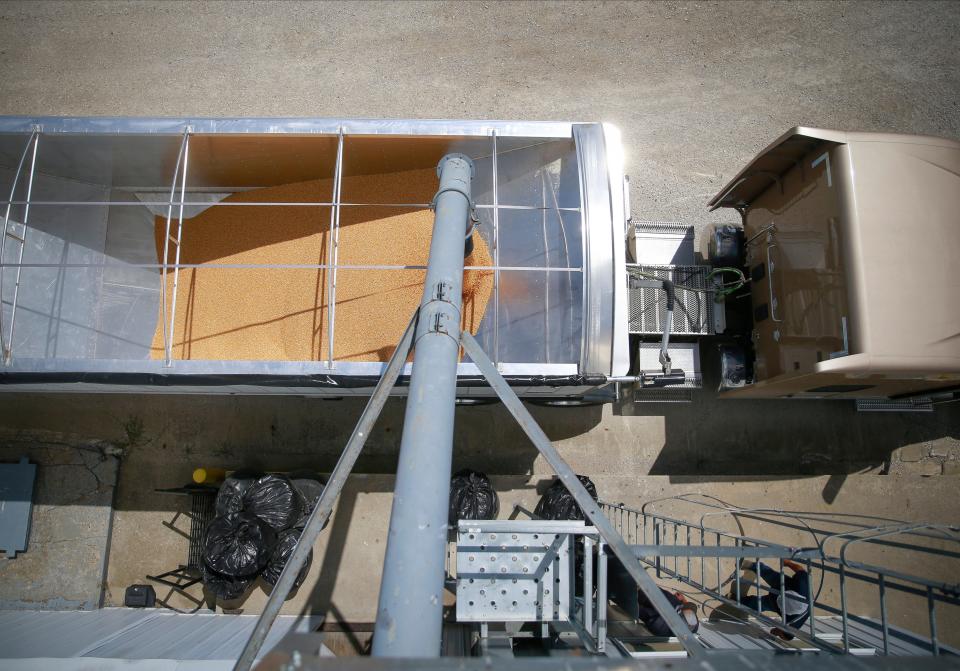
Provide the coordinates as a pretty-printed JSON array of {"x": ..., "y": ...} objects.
[
  {"x": 65, "y": 563},
  {"x": 697, "y": 88}
]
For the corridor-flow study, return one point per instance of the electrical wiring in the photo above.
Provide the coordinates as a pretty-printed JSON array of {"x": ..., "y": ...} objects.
[
  {"x": 735, "y": 510},
  {"x": 726, "y": 289},
  {"x": 721, "y": 292}
]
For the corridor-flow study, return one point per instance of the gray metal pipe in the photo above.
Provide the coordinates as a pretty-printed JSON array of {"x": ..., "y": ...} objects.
[
  {"x": 409, "y": 614},
  {"x": 331, "y": 492}
]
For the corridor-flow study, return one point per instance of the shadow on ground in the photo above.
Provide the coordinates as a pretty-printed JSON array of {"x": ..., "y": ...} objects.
[
  {"x": 163, "y": 438},
  {"x": 719, "y": 439}
]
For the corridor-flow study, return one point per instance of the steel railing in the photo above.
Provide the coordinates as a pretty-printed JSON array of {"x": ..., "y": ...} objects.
[{"x": 701, "y": 553}]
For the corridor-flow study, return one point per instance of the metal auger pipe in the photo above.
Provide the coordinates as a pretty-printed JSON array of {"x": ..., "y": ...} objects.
[{"x": 409, "y": 614}]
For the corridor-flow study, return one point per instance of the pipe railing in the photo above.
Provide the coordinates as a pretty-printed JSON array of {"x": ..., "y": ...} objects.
[{"x": 674, "y": 547}]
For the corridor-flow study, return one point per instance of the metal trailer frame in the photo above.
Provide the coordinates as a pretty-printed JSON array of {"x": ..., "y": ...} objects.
[{"x": 602, "y": 194}]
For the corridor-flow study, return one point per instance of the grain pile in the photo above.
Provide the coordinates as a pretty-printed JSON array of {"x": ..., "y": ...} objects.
[{"x": 281, "y": 314}]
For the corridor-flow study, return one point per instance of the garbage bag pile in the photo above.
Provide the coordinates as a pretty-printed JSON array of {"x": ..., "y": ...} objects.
[
  {"x": 259, "y": 519},
  {"x": 472, "y": 497},
  {"x": 558, "y": 503}
]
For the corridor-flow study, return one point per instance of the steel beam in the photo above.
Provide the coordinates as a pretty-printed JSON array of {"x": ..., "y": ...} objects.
[
  {"x": 321, "y": 512},
  {"x": 676, "y": 550},
  {"x": 333, "y": 249},
  {"x": 6, "y": 345},
  {"x": 410, "y": 611},
  {"x": 176, "y": 256},
  {"x": 589, "y": 507},
  {"x": 167, "y": 344}
]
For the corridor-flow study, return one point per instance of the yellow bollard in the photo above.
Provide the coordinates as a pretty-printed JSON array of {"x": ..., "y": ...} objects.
[{"x": 208, "y": 476}]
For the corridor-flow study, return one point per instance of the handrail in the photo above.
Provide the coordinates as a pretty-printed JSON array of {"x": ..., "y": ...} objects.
[{"x": 731, "y": 545}]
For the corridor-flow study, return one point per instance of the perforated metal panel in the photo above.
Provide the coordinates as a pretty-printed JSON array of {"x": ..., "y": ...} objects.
[
  {"x": 693, "y": 312},
  {"x": 513, "y": 576}
]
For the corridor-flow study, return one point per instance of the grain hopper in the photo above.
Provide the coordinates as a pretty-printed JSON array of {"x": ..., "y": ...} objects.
[{"x": 285, "y": 255}]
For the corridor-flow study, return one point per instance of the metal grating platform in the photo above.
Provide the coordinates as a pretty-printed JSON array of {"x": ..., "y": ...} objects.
[
  {"x": 664, "y": 395},
  {"x": 153, "y": 634},
  {"x": 693, "y": 314},
  {"x": 509, "y": 576}
]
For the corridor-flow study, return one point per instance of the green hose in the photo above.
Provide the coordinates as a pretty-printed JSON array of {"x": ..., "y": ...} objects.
[{"x": 720, "y": 293}]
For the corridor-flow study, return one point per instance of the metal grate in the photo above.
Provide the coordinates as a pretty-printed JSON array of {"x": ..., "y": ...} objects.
[
  {"x": 499, "y": 573},
  {"x": 674, "y": 228},
  {"x": 663, "y": 395},
  {"x": 201, "y": 512},
  {"x": 920, "y": 404},
  {"x": 693, "y": 313}
]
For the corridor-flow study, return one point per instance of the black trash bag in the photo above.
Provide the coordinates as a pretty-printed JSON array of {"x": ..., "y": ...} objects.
[
  {"x": 558, "y": 503},
  {"x": 230, "y": 495},
  {"x": 472, "y": 497},
  {"x": 273, "y": 499},
  {"x": 309, "y": 490},
  {"x": 224, "y": 587},
  {"x": 238, "y": 545},
  {"x": 286, "y": 543}
]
